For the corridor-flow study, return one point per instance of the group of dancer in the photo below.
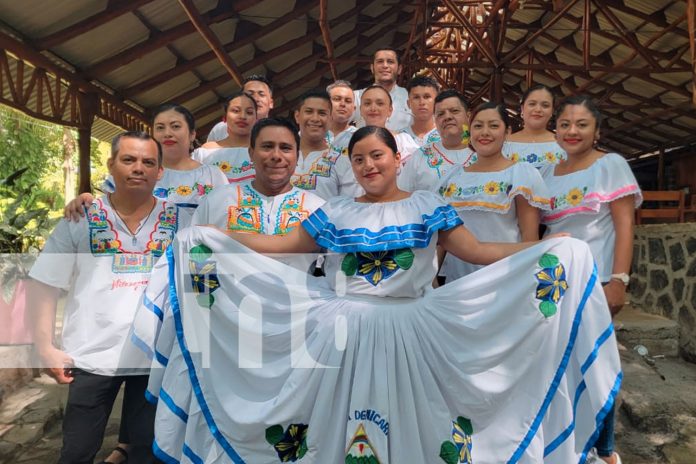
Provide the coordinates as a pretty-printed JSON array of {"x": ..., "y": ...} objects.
[{"x": 295, "y": 314}]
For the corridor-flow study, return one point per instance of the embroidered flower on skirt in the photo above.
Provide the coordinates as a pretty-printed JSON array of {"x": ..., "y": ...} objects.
[
  {"x": 204, "y": 279},
  {"x": 458, "y": 451},
  {"x": 291, "y": 444},
  {"x": 552, "y": 284}
]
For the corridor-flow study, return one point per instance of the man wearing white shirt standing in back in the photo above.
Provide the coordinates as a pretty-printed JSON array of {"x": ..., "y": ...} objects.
[
  {"x": 104, "y": 262},
  {"x": 385, "y": 68},
  {"x": 342, "y": 109}
]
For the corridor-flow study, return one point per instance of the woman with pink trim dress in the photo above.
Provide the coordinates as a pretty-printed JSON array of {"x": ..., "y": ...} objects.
[{"x": 593, "y": 197}]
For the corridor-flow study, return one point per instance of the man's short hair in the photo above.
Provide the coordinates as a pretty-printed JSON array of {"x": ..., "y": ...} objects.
[
  {"x": 140, "y": 135},
  {"x": 273, "y": 122},
  {"x": 259, "y": 78},
  {"x": 449, "y": 93},
  {"x": 387, "y": 49},
  {"x": 314, "y": 93},
  {"x": 423, "y": 81},
  {"x": 338, "y": 83}
]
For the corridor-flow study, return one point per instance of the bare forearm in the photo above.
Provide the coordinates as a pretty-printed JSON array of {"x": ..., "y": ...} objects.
[
  {"x": 489, "y": 252},
  {"x": 41, "y": 301}
]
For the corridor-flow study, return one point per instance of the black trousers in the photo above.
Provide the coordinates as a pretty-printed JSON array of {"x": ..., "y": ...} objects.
[{"x": 90, "y": 401}]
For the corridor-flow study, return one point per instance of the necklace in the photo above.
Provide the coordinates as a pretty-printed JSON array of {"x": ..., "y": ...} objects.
[{"x": 133, "y": 235}]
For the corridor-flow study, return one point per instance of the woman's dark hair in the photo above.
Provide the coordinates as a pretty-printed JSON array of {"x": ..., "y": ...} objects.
[
  {"x": 449, "y": 93},
  {"x": 274, "y": 122},
  {"x": 499, "y": 107},
  {"x": 534, "y": 88},
  {"x": 377, "y": 86},
  {"x": 182, "y": 110},
  {"x": 582, "y": 100},
  {"x": 229, "y": 99},
  {"x": 380, "y": 132}
]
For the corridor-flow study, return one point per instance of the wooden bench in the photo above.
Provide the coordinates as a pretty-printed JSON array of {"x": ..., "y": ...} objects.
[{"x": 662, "y": 213}]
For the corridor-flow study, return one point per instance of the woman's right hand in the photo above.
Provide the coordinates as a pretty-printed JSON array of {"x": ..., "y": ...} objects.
[{"x": 75, "y": 209}]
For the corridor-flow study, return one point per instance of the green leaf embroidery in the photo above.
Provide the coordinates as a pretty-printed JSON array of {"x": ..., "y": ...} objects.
[
  {"x": 548, "y": 308},
  {"x": 303, "y": 449},
  {"x": 200, "y": 253},
  {"x": 465, "y": 424},
  {"x": 404, "y": 258},
  {"x": 274, "y": 434},
  {"x": 205, "y": 300},
  {"x": 448, "y": 452},
  {"x": 349, "y": 265},
  {"x": 548, "y": 260}
]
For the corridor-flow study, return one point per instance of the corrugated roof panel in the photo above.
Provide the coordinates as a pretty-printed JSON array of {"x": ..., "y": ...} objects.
[
  {"x": 283, "y": 61},
  {"x": 291, "y": 30},
  {"x": 137, "y": 70},
  {"x": 168, "y": 90},
  {"x": 268, "y": 10},
  {"x": 225, "y": 30},
  {"x": 104, "y": 41},
  {"x": 39, "y": 18},
  {"x": 191, "y": 45},
  {"x": 165, "y": 14}
]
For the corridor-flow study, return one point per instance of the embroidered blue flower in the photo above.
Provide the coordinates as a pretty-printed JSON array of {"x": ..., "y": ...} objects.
[
  {"x": 291, "y": 444},
  {"x": 377, "y": 266},
  {"x": 203, "y": 275},
  {"x": 552, "y": 284},
  {"x": 160, "y": 192}
]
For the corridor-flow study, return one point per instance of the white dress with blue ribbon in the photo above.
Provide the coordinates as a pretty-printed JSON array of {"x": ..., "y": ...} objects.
[{"x": 265, "y": 364}]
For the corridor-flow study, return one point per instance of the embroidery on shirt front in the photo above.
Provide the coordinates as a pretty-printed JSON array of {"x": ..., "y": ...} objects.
[
  {"x": 247, "y": 214},
  {"x": 319, "y": 168},
  {"x": 290, "y": 214},
  {"x": 103, "y": 238},
  {"x": 164, "y": 231}
]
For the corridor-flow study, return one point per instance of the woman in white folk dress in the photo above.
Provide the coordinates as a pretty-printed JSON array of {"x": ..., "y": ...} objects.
[
  {"x": 371, "y": 364},
  {"x": 535, "y": 144},
  {"x": 497, "y": 200},
  {"x": 231, "y": 154},
  {"x": 593, "y": 196}
]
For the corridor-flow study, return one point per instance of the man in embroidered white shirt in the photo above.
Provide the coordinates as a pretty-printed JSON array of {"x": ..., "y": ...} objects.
[
  {"x": 104, "y": 263},
  {"x": 385, "y": 68}
]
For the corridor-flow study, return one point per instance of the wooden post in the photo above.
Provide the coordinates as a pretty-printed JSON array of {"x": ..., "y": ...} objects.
[
  {"x": 661, "y": 170},
  {"x": 88, "y": 104},
  {"x": 691, "y": 20}
]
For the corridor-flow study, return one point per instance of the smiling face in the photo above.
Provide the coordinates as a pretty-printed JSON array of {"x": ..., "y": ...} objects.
[
  {"x": 385, "y": 67},
  {"x": 261, "y": 94},
  {"x": 375, "y": 107},
  {"x": 488, "y": 133},
  {"x": 275, "y": 157},
  {"x": 313, "y": 118},
  {"x": 375, "y": 165},
  {"x": 450, "y": 118},
  {"x": 135, "y": 167},
  {"x": 240, "y": 116},
  {"x": 537, "y": 109},
  {"x": 172, "y": 131},
  {"x": 576, "y": 130},
  {"x": 342, "y": 104}
]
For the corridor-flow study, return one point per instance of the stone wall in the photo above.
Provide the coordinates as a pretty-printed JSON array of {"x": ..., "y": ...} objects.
[{"x": 663, "y": 279}]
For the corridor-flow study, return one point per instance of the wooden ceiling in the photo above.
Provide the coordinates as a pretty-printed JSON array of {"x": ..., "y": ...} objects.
[{"x": 98, "y": 64}]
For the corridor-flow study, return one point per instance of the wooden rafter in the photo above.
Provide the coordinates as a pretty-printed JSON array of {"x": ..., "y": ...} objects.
[
  {"x": 514, "y": 53},
  {"x": 691, "y": 14},
  {"x": 212, "y": 40},
  {"x": 473, "y": 33},
  {"x": 183, "y": 66},
  {"x": 326, "y": 36},
  {"x": 113, "y": 10}
]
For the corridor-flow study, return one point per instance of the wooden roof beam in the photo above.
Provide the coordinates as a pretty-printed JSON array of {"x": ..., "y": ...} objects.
[
  {"x": 113, "y": 10},
  {"x": 183, "y": 66},
  {"x": 157, "y": 41},
  {"x": 212, "y": 40},
  {"x": 691, "y": 14},
  {"x": 627, "y": 36},
  {"x": 473, "y": 33},
  {"x": 520, "y": 49},
  {"x": 326, "y": 35}
]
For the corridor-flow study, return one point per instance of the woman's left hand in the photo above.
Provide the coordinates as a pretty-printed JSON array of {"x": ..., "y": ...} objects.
[{"x": 615, "y": 292}]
